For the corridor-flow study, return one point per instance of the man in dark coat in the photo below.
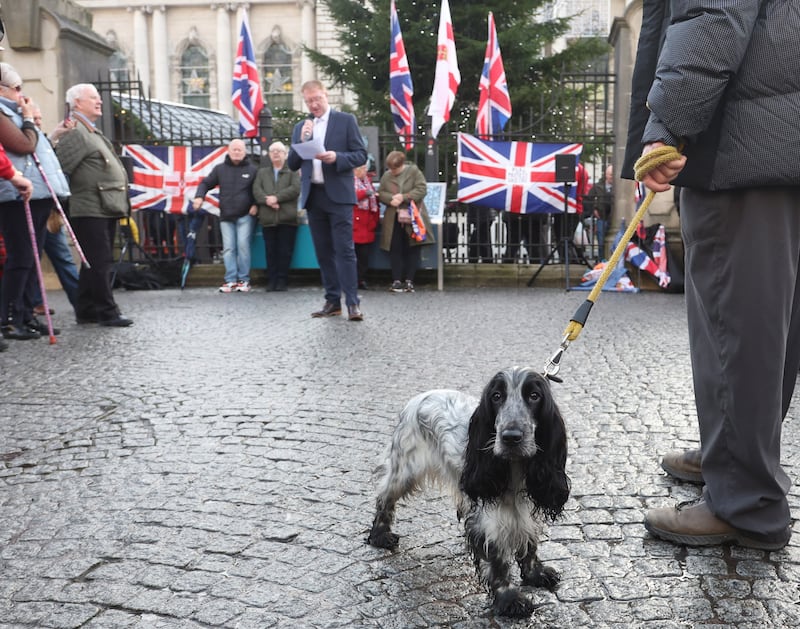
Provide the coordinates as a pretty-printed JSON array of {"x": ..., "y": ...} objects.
[
  {"x": 237, "y": 212},
  {"x": 725, "y": 89},
  {"x": 328, "y": 194}
]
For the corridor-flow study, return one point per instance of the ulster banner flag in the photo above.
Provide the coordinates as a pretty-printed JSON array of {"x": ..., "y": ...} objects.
[
  {"x": 447, "y": 77},
  {"x": 513, "y": 176},
  {"x": 165, "y": 178}
]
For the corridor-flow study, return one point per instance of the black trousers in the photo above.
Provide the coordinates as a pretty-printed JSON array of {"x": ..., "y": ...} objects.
[
  {"x": 95, "y": 296},
  {"x": 403, "y": 256},
  {"x": 279, "y": 243},
  {"x": 19, "y": 271}
]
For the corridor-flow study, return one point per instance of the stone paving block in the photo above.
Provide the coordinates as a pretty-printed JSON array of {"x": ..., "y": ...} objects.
[{"x": 165, "y": 476}]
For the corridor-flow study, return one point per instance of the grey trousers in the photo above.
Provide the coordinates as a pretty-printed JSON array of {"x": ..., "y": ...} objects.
[{"x": 743, "y": 301}]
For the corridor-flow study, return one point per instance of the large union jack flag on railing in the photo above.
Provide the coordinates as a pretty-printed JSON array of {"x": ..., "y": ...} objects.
[
  {"x": 401, "y": 89},
  {"x": 513, "y": 176},
  {"x": 165, "y": 178},
  {"x": 246, "y": 95}
]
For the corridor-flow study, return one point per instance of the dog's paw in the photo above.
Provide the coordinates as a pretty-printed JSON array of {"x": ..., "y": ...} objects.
[
  {"x": 383, "y": 539},
  {"x": 542, "y": 577},
  {"x": 513, "y": 603}
]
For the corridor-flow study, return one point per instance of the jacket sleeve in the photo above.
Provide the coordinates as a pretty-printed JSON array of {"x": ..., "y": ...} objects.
[
  {"x": 71, "y": 150},
  {"x": 6, "y": 167},
  {"x": 293, "y": 160},
  {"x": 292, "y": 191},
  {"x": 384, "y": 194},
  {"x": 355, "y": 153},
  {"x": 259, "y": 191},
  {"x": 20, "y": 141},
  {"x": 418, "y": 186},
  {"x": 210, "y": 182},
  {"x": 703, "y": 48}
]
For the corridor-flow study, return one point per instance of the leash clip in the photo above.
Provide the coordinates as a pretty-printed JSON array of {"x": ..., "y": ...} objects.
[{"x": 553, "y": 366}]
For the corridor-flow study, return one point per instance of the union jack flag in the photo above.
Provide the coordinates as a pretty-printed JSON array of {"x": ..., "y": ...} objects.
[
  {"x": 494, "y": 107},
  {"x": 401, "y": 89},
  {"x": 246, "y": 86},
  {"x": 165, "y": 178},
  {"x": 513, "y": 176}
]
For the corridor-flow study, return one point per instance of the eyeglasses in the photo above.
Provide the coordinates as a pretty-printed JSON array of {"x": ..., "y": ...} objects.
[{"x": 16, "y": 88}]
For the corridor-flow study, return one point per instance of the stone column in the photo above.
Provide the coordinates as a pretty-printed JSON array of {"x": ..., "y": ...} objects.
[
  {"x": 307, "y": 37},
  {"x": 141, "y": 46},
  {"x": 161, "y": 56},
  {"x": 226, "y": 52}
]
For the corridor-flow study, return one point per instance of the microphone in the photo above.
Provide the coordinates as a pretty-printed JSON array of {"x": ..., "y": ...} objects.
[{"x": 308, "y": 129}]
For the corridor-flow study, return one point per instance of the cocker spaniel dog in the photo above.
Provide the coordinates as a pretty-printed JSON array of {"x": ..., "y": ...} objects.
[{"x": 504, "y": 456}]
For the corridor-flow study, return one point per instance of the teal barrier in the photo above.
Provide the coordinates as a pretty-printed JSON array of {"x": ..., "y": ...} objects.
[{"x": 305, "y": 258}]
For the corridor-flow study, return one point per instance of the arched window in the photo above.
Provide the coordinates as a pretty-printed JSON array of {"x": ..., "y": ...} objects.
[
  {"x": 118, "y": 68},
  {"x": 278, "y": 72},
  {"x": 194, "y": 72}
]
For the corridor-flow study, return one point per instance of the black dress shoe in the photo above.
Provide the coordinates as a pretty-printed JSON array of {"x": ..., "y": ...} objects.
[
  {"x": 85, "y": 320},
  {"x": 19, "y": 333},
  {"x": 354, "y": 313},
  {"x": 330, "y": 309},
  {"x": 41, "y": 327},
  {"x": 119, "y": 322}
]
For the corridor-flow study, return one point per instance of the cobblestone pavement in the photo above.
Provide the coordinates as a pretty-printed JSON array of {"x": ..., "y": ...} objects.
[{"x": 211, "y": 466}]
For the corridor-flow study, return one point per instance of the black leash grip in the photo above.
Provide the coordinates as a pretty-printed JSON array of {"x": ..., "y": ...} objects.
[{"x": 582, "y": 313}]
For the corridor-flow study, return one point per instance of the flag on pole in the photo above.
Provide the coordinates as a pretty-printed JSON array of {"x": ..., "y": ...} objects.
[
  {"x": 246, "y": 96},
  {"x": 447, "y": 77},
  {"x": 494, "y": 106},
  {"x": 401, "y": 89}
]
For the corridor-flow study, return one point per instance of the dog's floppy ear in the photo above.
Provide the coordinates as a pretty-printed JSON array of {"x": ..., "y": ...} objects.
[
  {"x": 484, "y": 477},
  {"x": 546, "y": 477}
]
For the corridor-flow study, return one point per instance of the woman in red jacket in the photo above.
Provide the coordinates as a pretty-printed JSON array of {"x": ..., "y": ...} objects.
[{"x": 365, "y": 220}]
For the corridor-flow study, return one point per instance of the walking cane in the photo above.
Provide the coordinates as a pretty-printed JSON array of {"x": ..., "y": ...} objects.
[
  {"x": 38, "y": 261},
  {"x": 61, "y": 212}
]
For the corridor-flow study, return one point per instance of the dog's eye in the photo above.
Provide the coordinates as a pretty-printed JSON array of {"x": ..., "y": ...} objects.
[
  {"x": 497, "y": 396},
  {"x": 535, "y": 396}
]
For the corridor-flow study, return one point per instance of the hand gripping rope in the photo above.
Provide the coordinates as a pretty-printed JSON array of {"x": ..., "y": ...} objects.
[{"x": 646, "y": 163}]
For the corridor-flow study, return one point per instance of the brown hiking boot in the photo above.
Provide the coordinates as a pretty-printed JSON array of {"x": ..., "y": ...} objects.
[
  {"x": 683, "y": 465},
  {"x": 693, "y": 524}
]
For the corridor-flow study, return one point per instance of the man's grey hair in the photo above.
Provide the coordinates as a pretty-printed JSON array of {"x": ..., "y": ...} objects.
[{"x": 76, "y": 91}]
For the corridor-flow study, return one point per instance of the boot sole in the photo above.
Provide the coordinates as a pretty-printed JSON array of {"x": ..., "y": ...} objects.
[{"x": 714, "y": 540}]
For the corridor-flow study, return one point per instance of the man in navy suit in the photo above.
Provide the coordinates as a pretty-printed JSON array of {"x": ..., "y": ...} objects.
[{"x": 328, "y": 194}]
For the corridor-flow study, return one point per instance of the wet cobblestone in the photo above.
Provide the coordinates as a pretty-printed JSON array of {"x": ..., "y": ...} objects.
[{"x": 211, "y": 466}]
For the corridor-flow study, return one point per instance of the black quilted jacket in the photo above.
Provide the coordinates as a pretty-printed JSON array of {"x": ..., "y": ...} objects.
[{"x": 727, "y": 86}]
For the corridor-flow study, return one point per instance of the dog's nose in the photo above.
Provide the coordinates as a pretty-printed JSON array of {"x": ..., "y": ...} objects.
[{"x": 511, "y": 436}]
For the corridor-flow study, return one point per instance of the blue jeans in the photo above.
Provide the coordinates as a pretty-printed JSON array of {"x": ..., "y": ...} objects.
[
  {"x": 57, "y": 249},
  {"x": 237, "y": 238}
]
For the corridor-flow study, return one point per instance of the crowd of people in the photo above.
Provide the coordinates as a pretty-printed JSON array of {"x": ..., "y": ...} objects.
[
  {"x": 708, "y": 82},
  {"x": 76, "y": 167}
]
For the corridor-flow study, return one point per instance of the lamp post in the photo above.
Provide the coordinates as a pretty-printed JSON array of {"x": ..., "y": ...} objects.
[{"x": 265, "y": 129}]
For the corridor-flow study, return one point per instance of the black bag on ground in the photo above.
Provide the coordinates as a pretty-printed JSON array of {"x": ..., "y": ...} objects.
[{"x": 135, "y": 276}]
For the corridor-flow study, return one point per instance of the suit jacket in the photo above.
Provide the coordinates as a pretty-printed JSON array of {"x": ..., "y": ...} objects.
[{"x": 344, "y": 137}]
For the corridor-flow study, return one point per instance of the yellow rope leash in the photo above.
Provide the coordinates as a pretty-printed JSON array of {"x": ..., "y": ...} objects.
[{"x": 646, "y": 163}]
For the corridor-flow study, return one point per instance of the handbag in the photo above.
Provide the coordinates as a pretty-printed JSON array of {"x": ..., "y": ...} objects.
[{"x": 403, "y": 216}]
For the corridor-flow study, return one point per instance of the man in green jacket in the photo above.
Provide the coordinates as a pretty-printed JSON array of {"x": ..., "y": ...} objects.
[{"x": 99, "y": 186}]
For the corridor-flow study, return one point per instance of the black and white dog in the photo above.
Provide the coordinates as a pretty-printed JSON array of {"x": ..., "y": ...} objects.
[{"x": 504, "y": 456}]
